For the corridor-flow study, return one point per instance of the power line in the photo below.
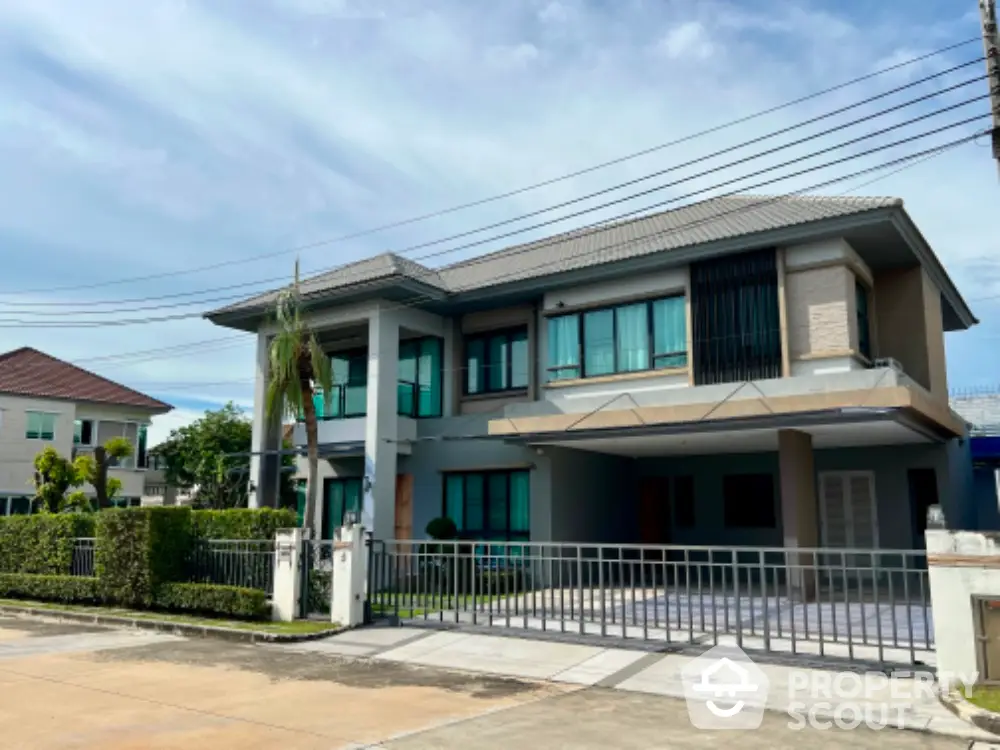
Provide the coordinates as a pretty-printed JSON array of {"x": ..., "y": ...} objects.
[
  {"x": 599, "y": 225},
  {"x": 509, "y": 194}
]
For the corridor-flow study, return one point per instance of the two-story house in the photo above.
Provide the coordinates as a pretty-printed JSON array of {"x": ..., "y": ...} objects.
[
  {"x": 743, "y": 371},
  {"x": 45, "y": 401}
]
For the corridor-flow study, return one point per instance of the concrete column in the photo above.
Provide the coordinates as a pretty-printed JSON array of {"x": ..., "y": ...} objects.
[
  {"x": 287, "y": 575},
  {"x": 381, "y": 424},
  {"x": 266, "y": 435},
  {"x": 799, "y": 507},
  {"x": 347, "y": 606}
]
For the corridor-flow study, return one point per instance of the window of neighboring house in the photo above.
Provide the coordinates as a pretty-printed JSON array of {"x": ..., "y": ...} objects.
[
  {"x": 141, "y": 454},
  {"x": 748, "y": 501},
  {"x": 340, "y": 497},
  {"x": 419, "y": 381},
  {"x": 496, "y": 362},
  {"x": 41, "y": 426},
  {"x": 83, "y": 432},
  {"x": 649, "y": 335},
  {"x": 684, "y": 515},
  {"x": 20, "y": 506},
  {"x": 864, "y": 321},
  {"x": 489, "y": 506}
]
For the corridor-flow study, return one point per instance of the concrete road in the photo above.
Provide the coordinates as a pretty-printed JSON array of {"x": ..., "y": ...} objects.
[{"x": 71, "y": 686}]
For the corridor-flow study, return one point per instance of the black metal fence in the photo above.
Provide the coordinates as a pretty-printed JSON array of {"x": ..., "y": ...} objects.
[
  {"x": 856, "y": 604},
  {"x": 246, "y": 563},
  {"x": 82, "y": 563}
]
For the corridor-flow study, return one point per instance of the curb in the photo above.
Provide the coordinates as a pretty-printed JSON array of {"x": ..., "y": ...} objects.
[
  {"x": 174, "y": 628},
  {"x": 955, "y": 702}
]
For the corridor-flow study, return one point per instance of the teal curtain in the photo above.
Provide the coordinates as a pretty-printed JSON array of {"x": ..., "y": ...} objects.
[
  {"x": 564, "y": 347},
  {"x": 498, "y": 507},
  {"x": 475, "y": 363},
  {"x": 333, "y": 508},
  {"x": 454, "y": 499},
  {"x": 407, "y": 394},
  {"x": 300, "y": 500},
  {"x": 519, "y": 364},
  {"x": 499, "y": 352},
  {"x": 429, "y": 378},
  {"x": 632, "y": 324},
  {"x": 475, "y": 502},
  {"x": 599, "y": 343},
  {"x": 669, "y": 333},
  {"x": 520, "y": 503}
]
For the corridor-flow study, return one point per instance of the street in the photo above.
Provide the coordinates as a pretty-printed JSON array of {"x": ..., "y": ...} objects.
[{"x": 76, "y": 686}]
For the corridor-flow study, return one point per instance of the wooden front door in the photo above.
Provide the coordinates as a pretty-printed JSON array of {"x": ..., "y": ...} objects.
[
  {"x": 654, "y": 510},
  {"x": 404, "y": 506}
]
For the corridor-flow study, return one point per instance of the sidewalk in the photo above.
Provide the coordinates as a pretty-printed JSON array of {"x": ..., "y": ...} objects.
[{"x": 912, "y": 707}]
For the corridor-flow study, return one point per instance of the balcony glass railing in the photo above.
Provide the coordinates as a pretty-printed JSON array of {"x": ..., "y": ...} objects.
[
  {"x": 406, "y": 398},
  {"x": 351, "y": 401}
]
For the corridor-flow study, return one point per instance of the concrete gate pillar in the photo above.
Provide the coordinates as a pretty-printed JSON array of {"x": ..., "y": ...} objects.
[
  {"x": 799, "y": 509},
  {"x": 347, "y": 606},
  {"x": 287, "y": 575}
]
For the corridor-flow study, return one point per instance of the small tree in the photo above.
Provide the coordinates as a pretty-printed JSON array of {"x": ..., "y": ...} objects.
[
  {"x": 298, "y": 369},
  {"x": 94, "y": 469},
  {"x": 54, "y": 476}
]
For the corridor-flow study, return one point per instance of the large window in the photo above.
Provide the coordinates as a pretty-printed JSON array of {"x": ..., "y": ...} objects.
[
  {"x": 349, "y": 396},
  {"x": 650, "y": 335},
  {"x": 490, "y": 506},
  {"x": 341, "y": 496},
  {"x": 420, "y": 377},
  {"x": 864, "y": 322},
  {"x": 41, "y": 426},
  {"x": 496, "y": 362}
]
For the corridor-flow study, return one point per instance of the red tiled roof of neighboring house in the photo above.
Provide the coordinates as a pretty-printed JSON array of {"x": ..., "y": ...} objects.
[{"x": 31, "y": 373}]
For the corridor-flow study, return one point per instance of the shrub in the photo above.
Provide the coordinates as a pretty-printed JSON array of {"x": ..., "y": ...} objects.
[
  {"x": 442, "y": 528},
  {"x": 241, "y": 523},
  {"x": 50, "y": 588},
  {"x": 41, "y": 544},
  {"x": 210, "y": 599},
  {"x": 139, "y": 549}
]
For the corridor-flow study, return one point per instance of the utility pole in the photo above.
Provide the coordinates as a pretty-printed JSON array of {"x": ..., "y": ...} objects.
[{"x": 991, "y": 44}]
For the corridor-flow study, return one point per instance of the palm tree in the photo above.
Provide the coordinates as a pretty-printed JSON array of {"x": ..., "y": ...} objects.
[{"x": 298, "y": 369}]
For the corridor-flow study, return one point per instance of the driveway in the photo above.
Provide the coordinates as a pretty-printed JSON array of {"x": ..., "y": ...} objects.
[{"x": 74, "y": 686}]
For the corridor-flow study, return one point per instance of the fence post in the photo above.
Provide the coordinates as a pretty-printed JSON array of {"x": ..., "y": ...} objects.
[
  {"x": 287, "y": 575},
  {"x": 349, "y": 576}
]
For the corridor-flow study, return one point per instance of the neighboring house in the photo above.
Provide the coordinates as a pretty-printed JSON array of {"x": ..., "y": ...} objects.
[
  {"x": 45, "y": 401},
  {"x": 980, "y": 407},
  {"x": 743, "y": 371},
  {"x": 156, "y": 490}
]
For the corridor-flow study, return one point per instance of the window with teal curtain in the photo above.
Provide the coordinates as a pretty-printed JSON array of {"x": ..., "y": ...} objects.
[
  {"x": 489, "y": 506},
  {"x": 632, "y": 337},
  {"x": 429, "y": 378},
  {"x": 598, "y": 343},
  {"x": 341, "y": 496},
  {"x": 669, "y": 333},
  {"x": 564, "y": 347},
  {"x": 407, "y": 387},
  {"x": 356, "y": 388},
  {"x": 499, "y": 364},
  {"x": 475, "y": 365},
  {"x": 519, "y": 364},
  {"x": 300, "y": 500},
  {"x": 454, "y": 499}
]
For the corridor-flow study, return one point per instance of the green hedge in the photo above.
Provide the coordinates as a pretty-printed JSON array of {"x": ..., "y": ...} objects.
[
  {"x": 66, "y": 589},
  {"x": 241, "y": 523},
  {"x": 210, "y": 599},
  {"x": 138, "y": 549},
  {"x": 41, "y": 544}
]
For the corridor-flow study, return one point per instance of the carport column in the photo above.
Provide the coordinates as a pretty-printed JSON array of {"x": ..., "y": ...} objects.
[
  {"x": 381, "y": 424},
  {"x": 266, "y": 434},
  {"x": 287, "y": 575},
  {"x": 799, "y": 514}
]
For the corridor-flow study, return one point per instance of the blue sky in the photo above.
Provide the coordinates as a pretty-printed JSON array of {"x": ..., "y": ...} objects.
[{"x": 149, "y": 138}]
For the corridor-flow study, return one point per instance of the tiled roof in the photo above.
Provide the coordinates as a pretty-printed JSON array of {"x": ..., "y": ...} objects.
[
  {"x": 34, "y": 374},
  {"x": 708, "y": 221}
]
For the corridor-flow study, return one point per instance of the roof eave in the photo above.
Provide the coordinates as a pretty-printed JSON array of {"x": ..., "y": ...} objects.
[{"x": 921, "y": 248}]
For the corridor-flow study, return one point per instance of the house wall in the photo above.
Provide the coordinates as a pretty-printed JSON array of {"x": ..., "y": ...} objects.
[
  {"x": 592, "y": 496},
  {"x": 17, "y": 453}
]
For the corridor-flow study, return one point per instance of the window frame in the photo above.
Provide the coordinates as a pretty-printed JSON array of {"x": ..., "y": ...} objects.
[
  {"x": 93, "y": 433},
  {"x": 485, "y": 337},
  {"x": 40, "y": 433},
  {"x": 486, "y": 533},
  {"x": 438, "y": 405},
  {"x": 653, "y": 356}
]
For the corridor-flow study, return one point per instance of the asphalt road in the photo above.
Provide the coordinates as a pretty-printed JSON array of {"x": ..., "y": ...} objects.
[{"x": 74, "y": 686}]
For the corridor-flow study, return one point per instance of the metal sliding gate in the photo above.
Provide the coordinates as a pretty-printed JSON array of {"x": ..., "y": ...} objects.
[{"x": 861, "y": 605}]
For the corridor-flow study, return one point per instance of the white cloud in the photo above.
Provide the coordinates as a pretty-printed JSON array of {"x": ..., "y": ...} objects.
[
  {"x": 162, "y": 424},
  {"x": 689, "y": 40},
  {"x": 554, "y": 12}
]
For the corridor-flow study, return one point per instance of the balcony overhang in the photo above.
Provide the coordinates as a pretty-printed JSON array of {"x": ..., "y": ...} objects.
[{"x": 839, "y": 419}]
